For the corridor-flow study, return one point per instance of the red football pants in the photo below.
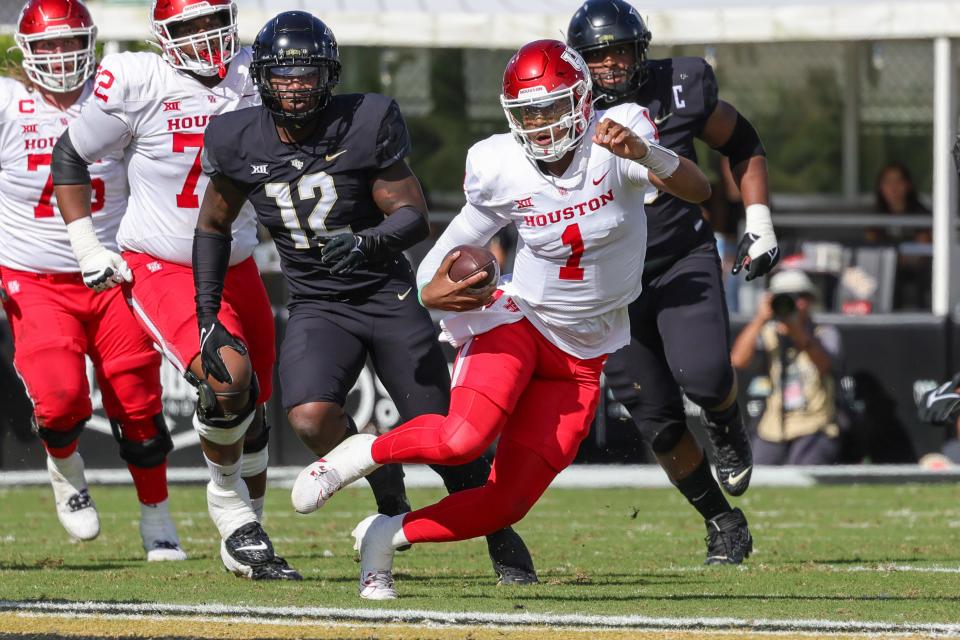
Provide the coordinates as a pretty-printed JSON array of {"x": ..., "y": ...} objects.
[
  {"x": 55, "y": 321},
  {"x": 511, "y": 382}
]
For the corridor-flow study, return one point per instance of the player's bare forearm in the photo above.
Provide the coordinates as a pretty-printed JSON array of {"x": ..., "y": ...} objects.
[
  {"x": 73, "y": 201},
  {"x": 396, "y": 187},
  {"x": 751, "y": 179},
  {"x": 221, "y": 205},
  {"x": 687, "y": 182}
]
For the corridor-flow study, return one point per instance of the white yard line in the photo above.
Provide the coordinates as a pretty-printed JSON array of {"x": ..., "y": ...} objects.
[{"x": 446, "y": 618}]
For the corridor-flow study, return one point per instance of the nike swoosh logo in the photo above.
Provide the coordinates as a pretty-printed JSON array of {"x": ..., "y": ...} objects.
[
  {"x": 735, "y": 478},
  {"x": 940, "y": 394},
  {"x": 600, "y": 179},
  {"x": 403, "y": 296},
  {"x": 253, "y": 547},
  {"x": 330, "y": 157},
  {"x": 659, "y": 120}
]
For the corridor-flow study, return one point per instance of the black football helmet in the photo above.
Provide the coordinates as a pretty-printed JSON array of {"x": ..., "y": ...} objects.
[
  {"x": 295, "y": 44},
  {"x": 598, "y": 24}
]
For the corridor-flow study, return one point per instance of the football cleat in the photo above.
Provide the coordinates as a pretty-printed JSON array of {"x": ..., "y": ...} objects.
[
  {"x": 510, "y": 557},
  {"x": 75, "y": 507},
  {"x": 248, "y": 552},
  {"x": 732, "y": 454},
  {"x": 159, "y": 534},
  {"x": 373, "y": 541},
  {"x": 347, "y": 462},
  {"x": 728, "y": 538}
]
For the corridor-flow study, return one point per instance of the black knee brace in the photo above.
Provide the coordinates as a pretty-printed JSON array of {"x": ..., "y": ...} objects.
[
  {"x": 58, "y": 439},
  {"x": 209, "y": 410},
  {"x": 255, "y": 444},
  {"x": 664, "y": 437},
  {"x": 148, "y": 453}
]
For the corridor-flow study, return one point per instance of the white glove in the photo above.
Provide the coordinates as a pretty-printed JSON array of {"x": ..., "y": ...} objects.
[
  {"x": 101, "y": 268},
  {"x": 757, "y": 252}
]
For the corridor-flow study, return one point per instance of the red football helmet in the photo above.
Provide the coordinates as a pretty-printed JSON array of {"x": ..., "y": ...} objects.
[
  {"x": 53, "y": 20},
  {"x": 547, "y": 97},
  {"x": 209, "y": 51}
]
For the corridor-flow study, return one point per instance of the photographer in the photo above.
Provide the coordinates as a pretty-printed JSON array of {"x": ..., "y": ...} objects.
[{"x": 801, "y": 359}]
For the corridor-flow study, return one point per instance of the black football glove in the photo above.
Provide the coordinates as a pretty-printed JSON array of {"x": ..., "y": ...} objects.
[
  {"x": 213, "y": 337},
  {"x": 346, "y": 252},
  {"x": 941, "y": 406},
  {"x": 756, "y": 253}
]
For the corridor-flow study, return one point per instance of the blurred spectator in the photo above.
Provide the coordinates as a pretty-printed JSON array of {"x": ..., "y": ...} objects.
[
  {"x": 896, "y": 194},
  {"x": 802, "y": 361}
]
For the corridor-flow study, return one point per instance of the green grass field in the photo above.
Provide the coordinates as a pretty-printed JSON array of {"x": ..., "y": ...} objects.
[{"x": 835, "y": 553}]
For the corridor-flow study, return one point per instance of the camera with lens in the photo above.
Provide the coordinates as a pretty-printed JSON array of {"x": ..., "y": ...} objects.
[{"x": 784, "y": 305}]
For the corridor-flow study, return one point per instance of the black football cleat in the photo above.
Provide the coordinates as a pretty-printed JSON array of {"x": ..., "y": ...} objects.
[
  {"x": 732, "y": 454},
  {"x": 510, "y": 557},
  {"x": 248, "y": 552},
  {"x": 277, "y": 569},
  {"x": 728, "y": 538}
]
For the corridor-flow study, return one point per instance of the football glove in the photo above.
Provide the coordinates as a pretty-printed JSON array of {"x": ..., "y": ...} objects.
[
  {"x": 104, "y": 270},
  {"x": 213, "y": 337},
  {"x": 941, "y": 406},
  {"x": 346, "y": 252},
  {"x": 758, "y": 251}
]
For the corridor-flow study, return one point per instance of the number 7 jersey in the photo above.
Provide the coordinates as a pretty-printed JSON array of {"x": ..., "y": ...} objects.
[
  {"x": 157, "y": 116},
  {"x": 32, "y": 234}
]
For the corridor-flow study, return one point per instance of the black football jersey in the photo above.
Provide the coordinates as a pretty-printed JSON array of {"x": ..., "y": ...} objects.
[
  {"x": 320, "y": 187},
  {"x": 680, "y": 93}
]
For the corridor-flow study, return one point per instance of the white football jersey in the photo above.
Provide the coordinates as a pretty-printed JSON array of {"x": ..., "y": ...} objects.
[
  {"x": 157, "y": 115},
  {"x": 33, "y": 236},
  {"x": 582, "y": 235}
]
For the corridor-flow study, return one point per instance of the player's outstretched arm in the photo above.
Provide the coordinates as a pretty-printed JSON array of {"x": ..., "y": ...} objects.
[
  {"x": 101, "y": 268},
  {"x": 666, "y": 170},
  {"x": 211, "y": 258},
  {"x": 397, "y": 193},
  {"x": 731, "y": 134}
]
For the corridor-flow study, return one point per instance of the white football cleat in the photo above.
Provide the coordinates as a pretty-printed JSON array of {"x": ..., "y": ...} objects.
[
  {"x": 347, "y": 462},
  {"x": 373, "y": 539},
  {"x": 159, "y": 534},
  {"x": 75, "y": 507}
]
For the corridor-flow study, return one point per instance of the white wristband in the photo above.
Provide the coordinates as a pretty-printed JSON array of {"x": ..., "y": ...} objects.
[
  {"x": 83, "y": 238},
  {"x": 758, "y": 220},
  {"x": 661, "y": 161}
]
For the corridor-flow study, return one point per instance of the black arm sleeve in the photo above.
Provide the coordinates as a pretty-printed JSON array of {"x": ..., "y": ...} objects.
[
  {"x": 67, "y": 167},
  {"x": 211, "y": 259},
  {"x": 744, "y": 142},
  {"x": 400, "y": 230}
]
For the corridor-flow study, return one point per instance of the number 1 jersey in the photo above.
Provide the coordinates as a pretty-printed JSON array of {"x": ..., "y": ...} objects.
[
  {"x": 33, "y": 236},
  {"x": 157, "y": 115}
]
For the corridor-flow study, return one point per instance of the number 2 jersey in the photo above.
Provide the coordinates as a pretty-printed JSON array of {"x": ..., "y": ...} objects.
[
  {"x": 33, "y": 236},
  {"x": 582, "y": 236},
  {"x": 156, "y": 115},
  {"x": 316, "y": 188}
]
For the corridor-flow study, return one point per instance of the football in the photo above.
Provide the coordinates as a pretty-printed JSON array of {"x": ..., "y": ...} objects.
[{"x": 473, "y": 259}]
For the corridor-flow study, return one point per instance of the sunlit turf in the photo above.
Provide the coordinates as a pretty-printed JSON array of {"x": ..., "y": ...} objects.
[{"x": 838, "y": 553}]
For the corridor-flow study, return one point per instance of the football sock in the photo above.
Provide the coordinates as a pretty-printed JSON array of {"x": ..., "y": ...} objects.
[
  {"x": 518, "y": 479},
  {"x": 227, "y": 498},
  {"x": 59, "y": 453},
  {"x": 389, "y": 490},
  {"x": 701, "y": 490},
  {"x": 725, "y": 417},
  {"x": 151, "y": 482},
  {"x": 257, "y": 505},
  {"x": 459, "y": 437}
]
